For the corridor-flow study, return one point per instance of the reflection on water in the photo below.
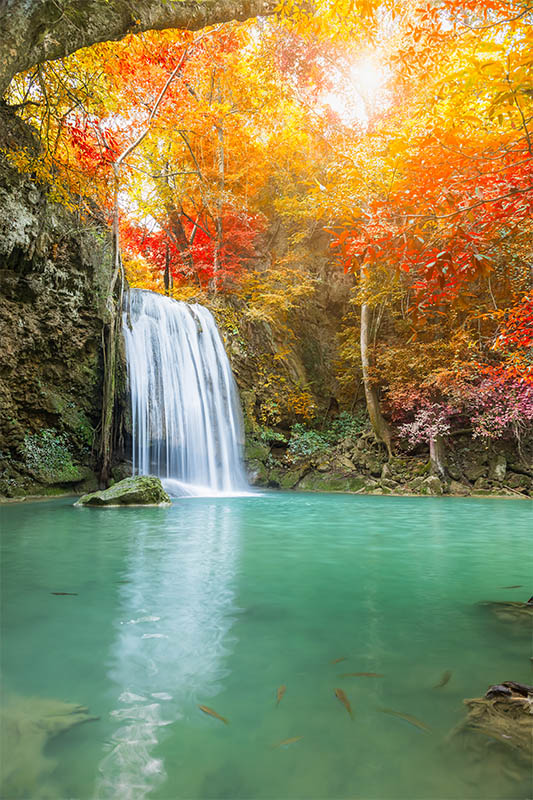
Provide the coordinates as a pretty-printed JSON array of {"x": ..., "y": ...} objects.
[{"x": 171, "y": 642}]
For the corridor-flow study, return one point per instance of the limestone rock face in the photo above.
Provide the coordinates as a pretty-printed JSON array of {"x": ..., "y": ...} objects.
[
  {"x": 431, "y": 485},
  {"x": 54, "y": 274},
  {"x": 498, "y": 468},
  {"x": 140, "y": 490},
  {"x": 475, "y": 471},
  {"x": 458, "y": 489}
]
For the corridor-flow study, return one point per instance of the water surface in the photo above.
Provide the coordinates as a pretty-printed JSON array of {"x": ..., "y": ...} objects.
[{"x": 218, "y": 602}]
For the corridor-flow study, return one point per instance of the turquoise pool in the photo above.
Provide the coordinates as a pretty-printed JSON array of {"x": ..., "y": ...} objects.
[{"x": 219, "y": 602}]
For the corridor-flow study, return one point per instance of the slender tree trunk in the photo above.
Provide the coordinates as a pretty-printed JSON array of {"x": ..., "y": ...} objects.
[
  {"x": 219, "y": 231},
  {"x": 166, "y": 277},
  {"x": 111, "y": 336},
  {"x": 380, "y": 426},
  {"x": 437, "y": 457},
  {"x": 180, "y": 237}
]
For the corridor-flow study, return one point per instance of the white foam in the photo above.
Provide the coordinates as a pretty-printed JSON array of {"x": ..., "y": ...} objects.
[
  {"x": 130, "y": 697},
  {"x": 176, "y": 488}
]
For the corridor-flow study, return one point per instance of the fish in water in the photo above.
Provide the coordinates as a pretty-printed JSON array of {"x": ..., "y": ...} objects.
[
  {"x": 65, "y": 594},
  {"x": 518, "y": 586},
  {"x": 287, "y": 741},
  {"x": 444, "y": 680},
  {"x": 279, "y": 694},
  {"x": 340, "y": 695},
  {"x": 336, "y": 660},
  {"x": 361, "y": 675},
  {"x": 407, "y": 717},
  {"x": 212, "y": 713}
]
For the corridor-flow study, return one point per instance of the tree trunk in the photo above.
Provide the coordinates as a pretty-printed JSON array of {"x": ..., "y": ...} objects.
[
  {"x": 219, "y": 232},
  {"x": 111, "y": 338},
  {"x": 380, "y": 426},
  {"x": 180, "y": 237},
  {"x": 166, "y": 276},
  {"x": 34, "y": 31},
  {"x": 437, "y": 457}
]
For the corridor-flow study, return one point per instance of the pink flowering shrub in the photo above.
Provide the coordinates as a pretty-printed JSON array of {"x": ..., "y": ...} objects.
[
  {"x": 501, "y": 406},
  {"x": 492, "y": 404},
  {"x": 429, "y": 421}
]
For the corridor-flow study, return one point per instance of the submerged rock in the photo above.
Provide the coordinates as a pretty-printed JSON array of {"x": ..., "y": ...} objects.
[
  {"x": 519, "y": 615},
  {"x": 26, "y": 725},
  {"x": 140, "y": 490},
  {"x": 497, "y": 733}
]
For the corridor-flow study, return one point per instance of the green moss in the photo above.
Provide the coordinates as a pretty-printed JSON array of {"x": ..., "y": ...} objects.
[
  {"x": 289, "y": 479},
  {"x": 257, "y": 472},
  {"x": 422, "y": 469},
  {"x": 323, "y": 482},
  {"x": 140, "y": 490},
  {"x": 256, "y": 450}
]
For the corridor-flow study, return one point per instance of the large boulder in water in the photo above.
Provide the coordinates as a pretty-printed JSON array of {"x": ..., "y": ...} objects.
[{"x": 140, "y": 490}]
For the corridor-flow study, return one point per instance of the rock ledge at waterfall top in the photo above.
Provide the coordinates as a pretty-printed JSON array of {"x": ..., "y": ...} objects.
[{"x": 140, "y": 490}]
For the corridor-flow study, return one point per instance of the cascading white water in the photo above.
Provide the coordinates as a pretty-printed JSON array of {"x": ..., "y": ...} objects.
[{"x": 186, "y": 416}]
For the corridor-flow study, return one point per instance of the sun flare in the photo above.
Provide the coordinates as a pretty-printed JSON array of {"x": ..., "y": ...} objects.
[{"x": 361, "y": 90}]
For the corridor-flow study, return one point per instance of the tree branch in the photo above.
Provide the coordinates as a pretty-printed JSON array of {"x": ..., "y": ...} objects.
[{"x": 33, "y": 31}]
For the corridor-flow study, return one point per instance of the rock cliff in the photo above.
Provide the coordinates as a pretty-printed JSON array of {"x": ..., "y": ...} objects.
[{"x": 54, "y": 268}]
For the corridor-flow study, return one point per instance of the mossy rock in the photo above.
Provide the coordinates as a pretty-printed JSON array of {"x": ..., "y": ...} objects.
[
  {"x": 431, "y": 485},
  {"x": 289, "y": 479},
  {"x": 89, "y": 484},
  {"x": 255, "y": 450},
  {"x": 458, "y": 489},
  {"x": 140, "y": 490},
  {"x": 257, "y": 473},
  {"x": 320, "y": 482},
  {"x": 122, "y": 471}
]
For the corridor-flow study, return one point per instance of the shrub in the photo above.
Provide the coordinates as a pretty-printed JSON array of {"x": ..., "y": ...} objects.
[
  {"x": 305, "y": 443},
  {"x": 347, "y": 424},
  {"x": 46, "y": 452}
]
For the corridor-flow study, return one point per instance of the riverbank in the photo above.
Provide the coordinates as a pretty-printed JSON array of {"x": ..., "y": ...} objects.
[{"x": 359, "y": 464}]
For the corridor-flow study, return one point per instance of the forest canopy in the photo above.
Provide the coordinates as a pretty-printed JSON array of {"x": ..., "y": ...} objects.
[{"x": 400, "y": 131}]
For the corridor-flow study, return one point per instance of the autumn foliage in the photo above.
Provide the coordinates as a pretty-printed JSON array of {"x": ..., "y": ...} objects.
[{"x": 426, "y": 189}]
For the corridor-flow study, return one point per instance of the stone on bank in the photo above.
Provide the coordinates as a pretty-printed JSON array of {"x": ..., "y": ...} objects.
[{"x": 140, "y": 490}]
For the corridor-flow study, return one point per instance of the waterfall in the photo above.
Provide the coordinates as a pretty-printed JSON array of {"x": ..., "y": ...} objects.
[{"x": 185, "y": 410}]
